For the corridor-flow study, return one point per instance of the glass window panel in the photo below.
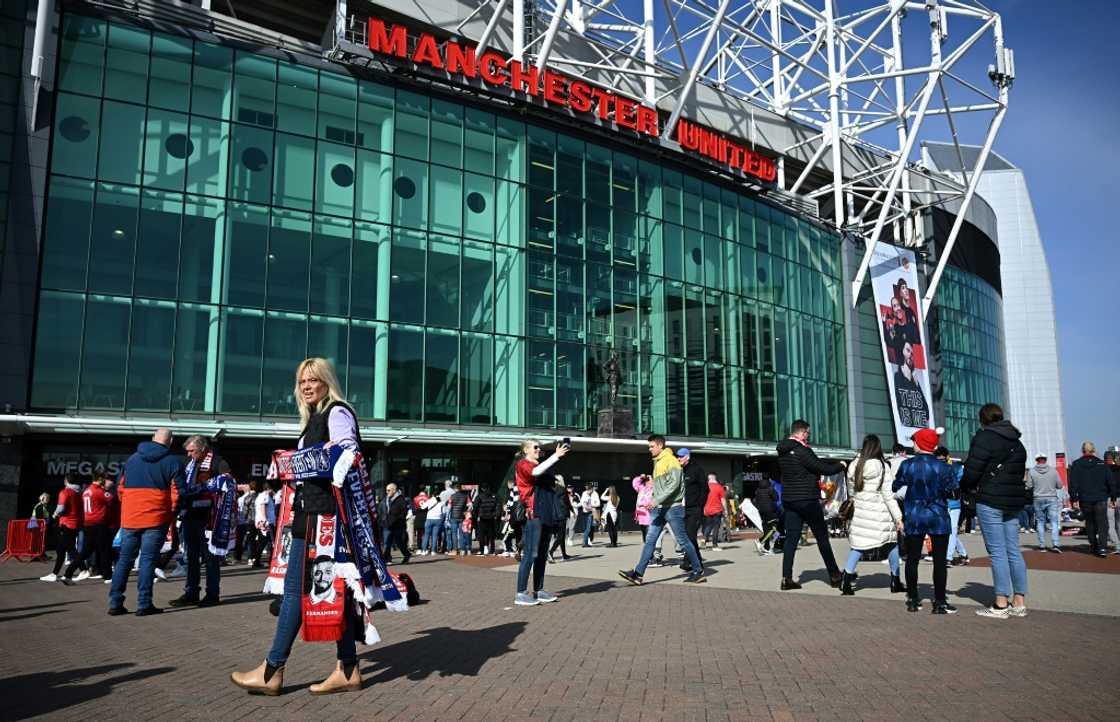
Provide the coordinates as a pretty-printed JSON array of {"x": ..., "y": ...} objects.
[
  {"x": 693, "y": 257},
  {"x": 478, "y": 142},
  {"x": 411, "y": 125},
  {"x": 509, "y": 381},
  {"x": 294, "y": 180},
  {"x": 369, "y": 292},
  {"x": 752, "y": 398},
  {"x": 598, "y": 232},
  {"x": 104, "y": 352},
  {"x": 157, "y": 247},
  {"x": 624, "y": 237},
  {"x": 598, "y": 172},
  {"x": 443, "y": 282},
  {"x": 717, "y": 405},
  {"x": 240, "y": 366},
  {"x": 334, "y": 186},
  {"x": 763, "y": 277},
  {"x": 66, "y": 246},
  {"x": 569, "y": 299},
  {"x": 762, "y": 227},
  {"x": 599, "y": 308},
  {"x": 77, "y": 121},
  {"x": 250, "y": 166},
  {"x": 569, "y": 169},
  {"x": 652, "y": 317},
  {"x": 375, "y": 116},
  {"x": 406, "y": 369},
  {"x": 769, "y": 397},
  {"x": 728, "y": 215},
  {"x": 126, "y": 63},
  {"x": 122, "y": 142},
  {"x": 58, "y": 347},
  {"x": 447, "y": 200},
  {"x": 650, "y": 256},
  {"x": 447, "y": 133},
  {"x": 750, "y": 334},
  {"x": 201, "y": 249},
  {"x": 626, "y": 307},
  {"x": 289, "y": 249},
  {"x": 113, "y": 239},
  {"x": 713, "y": 267},
  {"x": 327, "y": 338},
  {"x": 479, "y": 207},
  {"x": 149, "y": 356},
  {"x": 338, "y": 105},
  {"x": 674, "y": 317},
  {"x": 296, "y": 98},
  {"x": 166, "y": 149},
  {"x": 675, "y": 406},
  {"x": 407, "y": 277},
  {"x": 541, "y": 287},
  {"x": 441, "y": 377},
  {"x": 542, "y": 160},
  {"x": 711, "y": 209},
  {"x": 410, "y": 193},
  {"x": 509, "y": 291},
  {"x": 376, "y": 188},
  {"x": 781, "y": 341},
  {"x": 766, "y": 338},
  {"x": 730, "y": 266},
  {"x": 778, "y": 281},
  {"x": 362, "y": 376},
  {"x": 569, "y": 222},
  {"x": 541, "y": 397},
  {"x": 208, "y": 158},
  {"x": 649, "y": 189},
  {"x": 713, "y": 325},
  {"x": 246, "y": 255},
  {"x": 330, "y": 266},
  {"x": 694, "y": 322},
  {"x": 170, "y": 72},
  {"x": 674, "y": 252},
  {"x": 746, "y": 221},
  {"x": 196, "y": 355},
  {"x": 254, "y": 90},
  {"x": 672, "y": 190},
  {"x": 624, "y": 181},
  {"x": 476, "y": 369},
  {"x": 285, "y": 345},
  {"x": 82, "y": 55},
  {"x": 571, "y": 396},
  {"x": 478, "y": 287},
  {"x": 542, "y": 218},
  {"x": 693, "y": 189},
  {"x": 212, "y": 87},
  {"x": 509, "y": 224}
]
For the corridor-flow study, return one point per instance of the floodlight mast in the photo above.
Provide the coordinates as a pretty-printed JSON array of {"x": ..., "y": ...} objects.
[{"x": 843, "y": 73}]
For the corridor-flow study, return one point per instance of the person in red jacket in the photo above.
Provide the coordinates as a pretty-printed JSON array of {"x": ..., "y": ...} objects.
[
  {"x": 714, "y": 509},
  {"x": 96, "y": 502},
  {"x": 68, "y": 512}
]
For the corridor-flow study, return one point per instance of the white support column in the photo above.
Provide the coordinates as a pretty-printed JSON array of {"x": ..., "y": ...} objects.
[
  {"x": 518, "y": 30},
  {"x": 550, "y": 36},
  {"x": 649, "y": 51},
  {"x": 834, "y": 114},
  {"x": 488, "y": 32},
  {"x": 778, "y": 86},
  {"x": 694, "y": 70}
]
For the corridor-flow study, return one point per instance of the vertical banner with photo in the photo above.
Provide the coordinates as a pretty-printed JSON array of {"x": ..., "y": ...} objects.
[{"x": 894, "y": 281}]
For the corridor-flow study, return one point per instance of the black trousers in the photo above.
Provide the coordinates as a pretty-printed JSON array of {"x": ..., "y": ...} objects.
[
  {"x": 693, "y": 520},
  {"x": 487, "y": 530},
  {"x": 398, "y": 537},
  {"x": 940, "y": 564},
  {"x": 612, "y": 529},
  {"x": 96, "y": 540},
  {"x": 67, "y": 538},
  {"x": 808, "y": 512},
  {"x": 1096, "y": 524}
]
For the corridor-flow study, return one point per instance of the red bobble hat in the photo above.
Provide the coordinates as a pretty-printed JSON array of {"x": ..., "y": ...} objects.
[{"x": 926, "y": 439}]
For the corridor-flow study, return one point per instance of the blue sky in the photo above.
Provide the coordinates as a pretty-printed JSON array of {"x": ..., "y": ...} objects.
[{"x": 1062, "y": 130}]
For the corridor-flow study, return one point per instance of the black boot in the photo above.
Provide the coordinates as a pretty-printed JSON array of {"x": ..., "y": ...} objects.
[
  {"x": 913, "y": 604},
  {"x": 846, "y": 580},
  {"x": 897, "y": 587},
  {"x": 788, "y": 584}
]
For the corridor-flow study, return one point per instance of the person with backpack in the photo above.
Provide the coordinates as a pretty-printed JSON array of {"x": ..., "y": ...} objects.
[
  {"x": 995, "y": 469},
  {"x": 876, "y": 518},
  {"x": 538, "y": 509}
]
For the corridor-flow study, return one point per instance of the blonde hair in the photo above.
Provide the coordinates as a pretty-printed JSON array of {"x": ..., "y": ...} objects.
[
  {"x": 612, "y": 495},
  {"x": 323, "y": 370},
  {"x": 528, "y": 444}
]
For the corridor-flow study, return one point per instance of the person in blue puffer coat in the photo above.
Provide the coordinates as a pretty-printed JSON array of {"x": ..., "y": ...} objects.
[{"x": 929, "y": 483}]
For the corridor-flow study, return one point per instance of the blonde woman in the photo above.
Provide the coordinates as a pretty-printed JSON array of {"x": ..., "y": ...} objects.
[
  {"x": 535, "y": 488},
  {"x": 609, "y": 501},
  {"x": 324, "y": 417}
]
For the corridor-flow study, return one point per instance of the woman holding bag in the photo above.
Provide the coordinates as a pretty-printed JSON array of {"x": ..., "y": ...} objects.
[{"x": 876, "y": 517}]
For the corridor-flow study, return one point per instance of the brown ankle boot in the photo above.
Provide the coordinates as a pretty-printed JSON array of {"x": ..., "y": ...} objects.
[
  {"x": 339, "y": 681},
  {"x": 259, "y": 681}
]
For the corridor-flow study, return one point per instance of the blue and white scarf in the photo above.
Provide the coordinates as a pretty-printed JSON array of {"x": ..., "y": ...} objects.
[
  {"x": 224, "y": 516},
  {"x": 357, "y": 495}
]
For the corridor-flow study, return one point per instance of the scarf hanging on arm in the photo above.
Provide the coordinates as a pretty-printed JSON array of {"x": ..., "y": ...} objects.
[
  {"x": 223, "y": 516},
  {"x": 324, "y": 587},
  {"x": 281, "y": 469}
]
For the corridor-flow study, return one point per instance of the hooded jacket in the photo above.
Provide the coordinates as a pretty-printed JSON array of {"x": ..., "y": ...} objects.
[
  {"x": 145, "y": 487},
  {"x": 801, "y": 469},
  {"x": 1044, "y": 482},
  {"x": 929, "y": 482},
  {"x": 875, "y": 508},
  {"x": 995, "y": 466},
  {"x": 668, "y": 479},
  {"x": 695, "y": 484},
  {"x": 1090, "y": 481}
]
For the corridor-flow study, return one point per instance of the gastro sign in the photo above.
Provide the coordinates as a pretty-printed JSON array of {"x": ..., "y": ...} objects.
[{"x": 557, "y": 89}]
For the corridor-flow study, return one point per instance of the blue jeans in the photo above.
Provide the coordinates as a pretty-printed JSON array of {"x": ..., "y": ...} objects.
[
  {"x": 588, "y": 527},
  {"x": 450, "y": 536},
  {"x": 855, "y": 555},
  {"x": 1048, "y": 510},
  {"x": 955, "y": 543},
  {"x": 1000, "y": 530},
  {"x": 535, "y": 538},
  {"x": 659, "y": 518},
  {"x": 290, "y": 618},
  {"x": 146, "y": 543},
  {"x": 431, "y": 535},
  {"x": 194, "y": 549}
]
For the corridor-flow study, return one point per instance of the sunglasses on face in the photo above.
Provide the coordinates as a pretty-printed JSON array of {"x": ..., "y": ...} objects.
[{"x": 536, "y": 448}]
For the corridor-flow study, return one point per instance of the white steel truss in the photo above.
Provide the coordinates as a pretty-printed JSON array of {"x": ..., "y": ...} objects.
[{"x": 837, "y": 67}]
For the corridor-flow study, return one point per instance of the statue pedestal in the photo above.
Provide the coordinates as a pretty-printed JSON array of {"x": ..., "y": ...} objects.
[{"x": 616, "y": 422}]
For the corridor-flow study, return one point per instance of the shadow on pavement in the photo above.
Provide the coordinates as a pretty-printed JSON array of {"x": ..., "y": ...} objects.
[
  {"x": 228, "y": 601},
  {"x": 38, "y": 607},
  {"x": 42, "y": 693},
  {"x": 592, "y": 588},
  {"x": 442, "y": 651},
  {"x": 30, "y": 615}
]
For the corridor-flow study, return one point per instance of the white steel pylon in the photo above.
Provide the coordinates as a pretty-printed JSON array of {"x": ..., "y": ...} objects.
[{"x": 869, "y": 78}]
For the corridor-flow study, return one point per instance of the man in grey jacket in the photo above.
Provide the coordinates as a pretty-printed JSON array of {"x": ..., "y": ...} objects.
[{"x": 1046, "y": 485}]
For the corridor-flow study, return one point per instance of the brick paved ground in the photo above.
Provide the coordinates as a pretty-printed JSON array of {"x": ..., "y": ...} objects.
[{"x": 662, "y": 651}]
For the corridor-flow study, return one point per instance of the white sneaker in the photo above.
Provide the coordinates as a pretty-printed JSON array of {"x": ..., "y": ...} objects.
[
  {"x": 160, "y": 574},
  {"x": 49, "y": 578},
  {"x": 1017, "y": 611},
  {"x": 716, "y": 548},
  {"x": 108, "y": 581},
  {"x": 994, "y": 612},
  {"x": 524, "y": 599},
  {"x": 545, "y": 597},
  {"x": 95, "y": 576},
  {"x": 82, "y": 576}
]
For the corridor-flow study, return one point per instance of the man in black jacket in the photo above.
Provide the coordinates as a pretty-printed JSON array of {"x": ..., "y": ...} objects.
[
  {"x": 1092, "y": 490},
  {"x": 695, "y": 494},
  {"x": 801, "y": 498},
  {"x": 395, "y": 512}
]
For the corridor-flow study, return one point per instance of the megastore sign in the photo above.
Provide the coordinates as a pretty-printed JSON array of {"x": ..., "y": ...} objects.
[{"x": 561, "y": 91}]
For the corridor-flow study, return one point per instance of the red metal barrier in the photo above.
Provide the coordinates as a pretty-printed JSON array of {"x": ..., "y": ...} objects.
[{"x": 25, "y": 542}]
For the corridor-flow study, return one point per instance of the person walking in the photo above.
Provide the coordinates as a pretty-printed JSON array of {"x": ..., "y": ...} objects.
[
  {"x": 486, "y": 514},
  {"x": 994, "y": 470},
  {"x": 767, "y": 502},
  {"x": 609, "y": 502},
  {"x": 929, "y": 482},
  {"x": 195, "y": 507},
  {"x": 395, "y": 511},
  {"x": 145, "y": 490},
  {"x": 715, "y": 508},
  {"x": 801, "y": 497},
  {"x": 534, "y": 487},
  {"x": 695, "y": 494},
  {"x": 1093, "y": 491},
  {"x": 589, "y": 503},
  {"x": 325, "y": 417},
  {"x": 567, "y": 512},
  {"x": 1045, "y": 484},
  {"x": 264, "y": 522},
  {"x": 573, "y": 505},
  {"x": 95, "y": 516},
  {"x": 876, "y": 518},
  {"x": 956, "y": 553},
  {"x": 68, "y": 516},
  {"x": 666, "y": 509}
]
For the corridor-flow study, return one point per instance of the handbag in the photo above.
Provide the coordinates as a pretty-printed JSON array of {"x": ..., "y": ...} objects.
[{"x": 847, "y": 510}]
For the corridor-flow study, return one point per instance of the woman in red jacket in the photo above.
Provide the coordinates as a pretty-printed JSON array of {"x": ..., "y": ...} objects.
[{"x": 69, "y": 516}]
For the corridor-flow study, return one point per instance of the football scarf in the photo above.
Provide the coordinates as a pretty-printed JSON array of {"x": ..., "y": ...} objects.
[
  {"x": 223, "y": 516},
  {"x": 280, "y": 469},
  {"x": 324, "y": 589}
]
